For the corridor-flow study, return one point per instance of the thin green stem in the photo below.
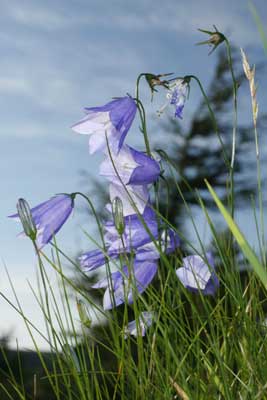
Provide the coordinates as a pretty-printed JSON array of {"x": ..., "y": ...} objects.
[
  {"x": 142, "y": 113},
  {"x": 263, "y": 252},
  {"x": 235, "y": 85},
  {"x": 138, "y": 83},
  {"x": 94, "y": 213},
  {"x": 213, "y": 118}
]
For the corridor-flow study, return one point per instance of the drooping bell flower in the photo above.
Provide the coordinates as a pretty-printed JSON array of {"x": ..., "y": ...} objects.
[
  {"x": 109, "y": 123},
  {"x": 135, "y": 329},
  {"x": 130, "y": 167},
  {"x": 138, "y": 230},
  {"x": 198, "y": 275},
  {"x": 176, "y": 96},
  {"x": 49, "y": 217}
]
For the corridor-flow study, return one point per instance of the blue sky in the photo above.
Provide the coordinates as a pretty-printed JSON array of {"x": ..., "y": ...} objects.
[{"x": 59, "y": 56}]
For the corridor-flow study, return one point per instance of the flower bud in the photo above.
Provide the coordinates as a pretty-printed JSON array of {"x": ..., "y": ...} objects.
[
  {"x": 83, "y": 313},
  {"x": 25, "y": 215},
  {"x": 117, "y": 211}
]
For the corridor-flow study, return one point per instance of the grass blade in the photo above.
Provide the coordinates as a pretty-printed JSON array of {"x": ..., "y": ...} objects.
[{"x": 241, "y": 240}]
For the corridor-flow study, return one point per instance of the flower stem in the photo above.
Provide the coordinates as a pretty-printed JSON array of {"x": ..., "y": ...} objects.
[
  {"x": 138, "y": 83},
  {"x": 213, "y": 118},
  {"x": 142, "y": 114},
  {"x": 263, "y": 253},
  {"x": 230, "y": 62},
  {"x": 94, "y": 213}
]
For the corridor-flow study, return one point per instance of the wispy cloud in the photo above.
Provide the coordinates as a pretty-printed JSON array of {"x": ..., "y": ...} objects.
[
  {"x": 32, "y": 14},
  {"x": 180, "y": 17},
  {"x": 17, "y": 86},
  {"x": 94, "y": 47},
  {"x": 185, "y": 17}
]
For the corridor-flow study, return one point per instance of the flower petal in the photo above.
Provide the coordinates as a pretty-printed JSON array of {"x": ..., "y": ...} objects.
[
  {"x": 133, "y": 197},
  {"x": 145, "y": 320},
  {"x": 196, "y": 275},
  {"x": 128, "y": 286},
  {"x": 112, "y": 121}
]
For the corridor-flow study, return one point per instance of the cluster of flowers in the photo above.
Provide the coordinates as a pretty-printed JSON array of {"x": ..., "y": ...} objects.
[{"x": 134, "y": 235}]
